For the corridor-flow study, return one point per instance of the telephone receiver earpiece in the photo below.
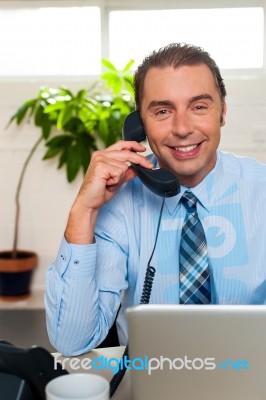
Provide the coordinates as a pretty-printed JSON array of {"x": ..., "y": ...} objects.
[{"x": 159, "y": 180}]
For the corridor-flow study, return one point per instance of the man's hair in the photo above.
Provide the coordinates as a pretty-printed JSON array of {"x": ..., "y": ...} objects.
[{"x": 176, "y": 55}]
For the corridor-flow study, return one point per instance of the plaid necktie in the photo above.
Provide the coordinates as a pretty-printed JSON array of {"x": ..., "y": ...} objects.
[{"x": 194, "y": 264}]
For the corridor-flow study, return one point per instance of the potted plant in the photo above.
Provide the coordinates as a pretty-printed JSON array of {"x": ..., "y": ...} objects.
[{"x": 72, "y": 127}]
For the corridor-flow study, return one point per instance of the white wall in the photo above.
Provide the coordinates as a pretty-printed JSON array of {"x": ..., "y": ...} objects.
[
  {"x": 245, "y": 130},
  {"x": 46, "y": 195}
]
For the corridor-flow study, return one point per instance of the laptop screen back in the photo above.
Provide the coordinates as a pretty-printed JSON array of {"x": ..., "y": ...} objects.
[{"x": 197, "y": 352}]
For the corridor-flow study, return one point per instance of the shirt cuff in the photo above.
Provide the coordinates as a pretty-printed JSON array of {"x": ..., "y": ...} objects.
[{"x": 76, "y": 259}]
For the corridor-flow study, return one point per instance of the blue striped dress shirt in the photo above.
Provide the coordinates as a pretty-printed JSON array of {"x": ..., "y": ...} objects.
[{"x": 86, "y": 283}]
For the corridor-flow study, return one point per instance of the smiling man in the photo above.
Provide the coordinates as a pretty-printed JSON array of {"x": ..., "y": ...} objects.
[{"x": 211, "y": 245}]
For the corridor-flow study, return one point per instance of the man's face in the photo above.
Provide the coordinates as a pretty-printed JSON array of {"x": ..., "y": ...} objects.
[{"x": 181, "y": 110}]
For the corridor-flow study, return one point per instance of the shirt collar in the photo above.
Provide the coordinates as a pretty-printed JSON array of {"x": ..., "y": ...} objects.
[{"x": 205, "y": 191}]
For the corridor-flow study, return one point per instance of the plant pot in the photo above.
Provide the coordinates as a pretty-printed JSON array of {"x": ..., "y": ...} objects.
[{"x": 16, "y": 273}]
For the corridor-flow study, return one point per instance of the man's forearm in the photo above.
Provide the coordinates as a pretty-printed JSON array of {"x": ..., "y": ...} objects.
[{"x": 80, "y": 226}]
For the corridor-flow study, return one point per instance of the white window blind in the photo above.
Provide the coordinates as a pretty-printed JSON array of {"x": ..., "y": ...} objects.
[
  {"x": 49, "y": 41},
  {"x": 233, "y": 36}
]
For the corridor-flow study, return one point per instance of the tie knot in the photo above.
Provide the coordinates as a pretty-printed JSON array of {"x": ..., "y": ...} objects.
[{"x": 189, "y": 200}]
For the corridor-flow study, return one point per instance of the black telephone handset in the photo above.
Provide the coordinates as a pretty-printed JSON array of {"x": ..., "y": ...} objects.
[
  {"x": 24, "y": 372},
  {"x": 159, "y": 180}
]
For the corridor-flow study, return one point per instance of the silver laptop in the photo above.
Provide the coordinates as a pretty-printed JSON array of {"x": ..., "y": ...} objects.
[{"x": 203, "y": 352}]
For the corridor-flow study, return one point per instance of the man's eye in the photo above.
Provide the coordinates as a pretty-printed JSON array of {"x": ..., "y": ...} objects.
[
  {"x": 161, "y": 112},
  {"x": 200, "y": 107}
]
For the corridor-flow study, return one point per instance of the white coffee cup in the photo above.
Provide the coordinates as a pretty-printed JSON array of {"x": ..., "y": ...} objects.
[{"x": 78, "y": 386}]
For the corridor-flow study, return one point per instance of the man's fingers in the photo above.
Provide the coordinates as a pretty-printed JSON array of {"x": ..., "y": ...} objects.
[
  {"x": 118, "y": 180},
  {"x": 126, "y": 145},
  {"x": 122, "y": 156}
]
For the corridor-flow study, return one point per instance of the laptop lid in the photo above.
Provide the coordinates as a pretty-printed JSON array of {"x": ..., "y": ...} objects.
[{"x": 197, "y": 352}]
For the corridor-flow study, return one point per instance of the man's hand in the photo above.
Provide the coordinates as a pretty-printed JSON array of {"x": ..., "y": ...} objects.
[{"x": 108, "y": 170}]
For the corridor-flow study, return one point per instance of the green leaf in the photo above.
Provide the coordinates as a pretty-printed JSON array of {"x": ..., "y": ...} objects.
[
  {"x": 84, "y": 114},
  {"x": 52, "y": 152},
  {"x": 46, "y": 129},
  {"x": 87, "y": 111},
  {"x": 62, "y": 158},
  {"x": 128, "y": 65},
  {"x": 74, "y": 162},
  {"x": 93, "y": 106},
  {"x": 82, "y": 94},
  {"x": 65, "y": 115},
  {"x": 40, "y": 118},
  {"x": 85, "y": 147},
  {"x": 107, "y": 64},
  {"x": 103, "y": 130},
  {"x": 59, "y": 141},
  {"x": 113, "y": 82},
  {"x": 63, "y": 91},
  {"x": 21, "y": 112},
  {"x": 109, "y": 77},
  {"x": 90, "y": 125},
  {"x": 129, "y": 86},
  {"x": 54, "y": 107}
]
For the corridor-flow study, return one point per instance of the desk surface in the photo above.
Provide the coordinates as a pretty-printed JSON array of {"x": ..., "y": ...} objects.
[
  {"x": 123, "y": 391},
  {"x": 33, "y": 301},
  {"x": 24, "y": 328}
]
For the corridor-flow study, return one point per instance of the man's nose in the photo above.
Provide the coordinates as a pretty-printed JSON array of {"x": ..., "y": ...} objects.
[{"x": 182, "y": 124}]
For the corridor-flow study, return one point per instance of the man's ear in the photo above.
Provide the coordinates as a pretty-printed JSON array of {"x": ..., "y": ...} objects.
[{"x": 223, "y": 115}]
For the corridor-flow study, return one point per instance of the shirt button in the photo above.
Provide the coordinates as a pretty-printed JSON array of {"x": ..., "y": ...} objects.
[{"x": 76, "y": 261}]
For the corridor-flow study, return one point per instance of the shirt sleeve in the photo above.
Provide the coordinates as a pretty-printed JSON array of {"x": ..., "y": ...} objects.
[{"x": 82, "y": 297}]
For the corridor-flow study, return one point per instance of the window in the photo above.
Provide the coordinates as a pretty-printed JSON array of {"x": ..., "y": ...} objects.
[
  {"x": 232, "y": 36},
  {"x": 50, "y": 41},
  {"x": 69, "y": 38}
]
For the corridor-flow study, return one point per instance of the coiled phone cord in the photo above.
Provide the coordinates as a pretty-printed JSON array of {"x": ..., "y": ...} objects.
[{"x": 145, "y": 299}]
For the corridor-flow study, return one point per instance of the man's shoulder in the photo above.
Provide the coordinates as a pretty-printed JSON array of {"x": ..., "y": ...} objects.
[{"x": 245, "y": 167}]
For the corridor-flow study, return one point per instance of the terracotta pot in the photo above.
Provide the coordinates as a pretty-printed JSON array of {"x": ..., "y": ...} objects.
[{"x": 16, "y": 273}]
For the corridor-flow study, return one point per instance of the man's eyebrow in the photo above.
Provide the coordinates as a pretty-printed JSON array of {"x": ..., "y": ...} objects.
[
  {"x": 203, "y": 96},
  {"x": 156, "y": 103}
]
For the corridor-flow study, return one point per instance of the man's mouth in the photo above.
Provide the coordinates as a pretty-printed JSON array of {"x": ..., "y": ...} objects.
[
  {"x": 185, "y": 149},
  {"x": 186, "y": 152}
]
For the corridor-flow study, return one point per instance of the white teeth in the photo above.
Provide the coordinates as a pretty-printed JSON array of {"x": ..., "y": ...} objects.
[{"x": 187, "y": 148}]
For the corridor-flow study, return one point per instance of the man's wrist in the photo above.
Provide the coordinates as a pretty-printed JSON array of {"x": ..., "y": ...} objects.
[{"x": 80, "y": 225}]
